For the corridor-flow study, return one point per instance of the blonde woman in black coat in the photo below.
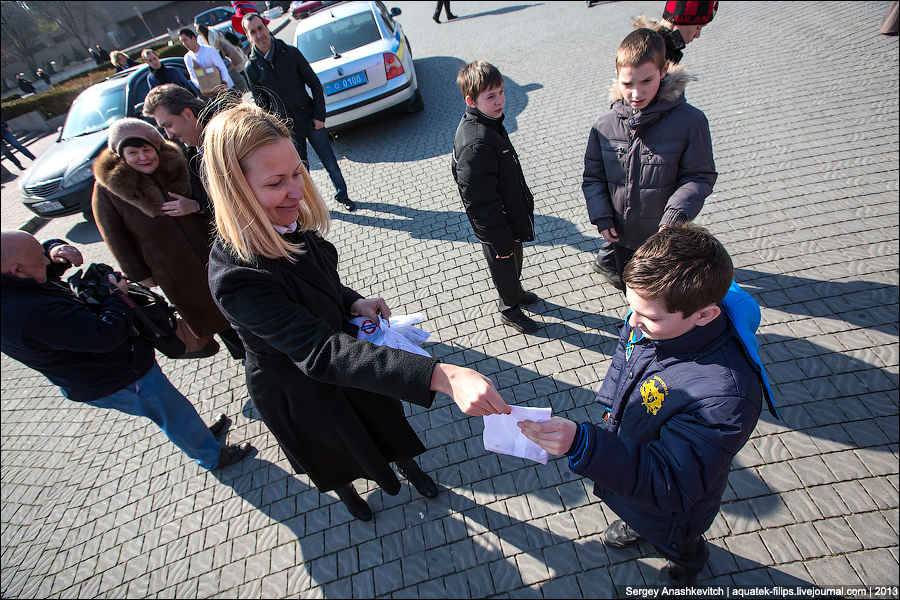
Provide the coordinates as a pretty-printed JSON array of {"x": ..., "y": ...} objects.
[{"x": 332, "y": 401}]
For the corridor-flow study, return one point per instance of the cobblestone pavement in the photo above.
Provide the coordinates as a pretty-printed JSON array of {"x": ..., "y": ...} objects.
[{"x": 803, "y": 107}]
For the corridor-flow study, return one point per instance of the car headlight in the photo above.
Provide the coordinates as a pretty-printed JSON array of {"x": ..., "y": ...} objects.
[{"x": 79, "y": 174}]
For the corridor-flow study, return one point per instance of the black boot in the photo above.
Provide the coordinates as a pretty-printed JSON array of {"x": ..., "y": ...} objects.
[
  {"x": 620, "y": 535},
  {"x": 420, "y": 480},
  {"x": 354, "y": 503}
]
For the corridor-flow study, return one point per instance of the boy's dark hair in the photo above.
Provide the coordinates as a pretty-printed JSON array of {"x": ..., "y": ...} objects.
[
  {"x": 173, "y": 98},
  {"x": 134, "y": 142},
  {"x": 477, "y": 77},
  {"x": 682, "y": 265},
  {"x": 188, "y": 32},
  {"x": 641, "y": 46}
]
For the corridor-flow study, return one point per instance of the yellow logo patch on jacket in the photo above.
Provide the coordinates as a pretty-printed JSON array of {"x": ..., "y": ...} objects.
[{"x": 653, "y": 393}]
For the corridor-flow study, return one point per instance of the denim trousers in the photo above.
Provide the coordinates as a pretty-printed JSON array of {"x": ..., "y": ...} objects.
[
  {"x": 318, "y": 139},
  {"x": 153, "y": 396}
]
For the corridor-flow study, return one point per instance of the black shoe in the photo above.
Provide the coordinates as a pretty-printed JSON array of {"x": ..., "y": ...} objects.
[
  {"x": 420, "y": 480},
  {"x": 620, "y": 535},
  {"x": 358, "y": 507},
  {"x": 679, "y": 576},
  {"x": 436, "y": 20},
  {"x": 234, "y": 453},
  {"x": 529, "y": 298},
  {"x": 211, "y": 349},
  {"x": 611, "y": 277},
  {"x": 451, "y": 17},
  {"x": 221, "y": 425},
  {"x": 519, "y": 321},
  {"x": 350, "y": 204}
]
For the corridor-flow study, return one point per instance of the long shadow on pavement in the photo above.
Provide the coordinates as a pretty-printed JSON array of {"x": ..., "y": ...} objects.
[{"x": 453, "y": 226}]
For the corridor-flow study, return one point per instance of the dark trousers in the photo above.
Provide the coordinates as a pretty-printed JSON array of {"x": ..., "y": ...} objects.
[
  {"x": 445, "y": 4},
  {"x": 506, "y": 274},
  {"x": 692, "y": 555},
  {"x": 11, "y": 139},
  {"x": 318, "y": 139},
  {"x": 233, "y": 342},
  {"x": 613, "y": 257}
]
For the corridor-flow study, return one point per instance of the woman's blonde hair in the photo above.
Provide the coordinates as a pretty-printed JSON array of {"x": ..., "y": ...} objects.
[
  {"x": 241, "y": 222},
  {"x": 114, "y": 57}
]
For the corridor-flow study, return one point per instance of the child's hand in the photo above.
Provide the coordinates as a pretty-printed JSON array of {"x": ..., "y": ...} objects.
[
  {"x": 555, "y": 436},
  {"x": 610, "y": 235}
]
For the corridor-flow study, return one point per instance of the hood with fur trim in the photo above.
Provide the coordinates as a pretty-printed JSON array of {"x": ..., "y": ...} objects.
[
  {"x": 145, "y": 192},
  {"x": 671, "y": 88}
]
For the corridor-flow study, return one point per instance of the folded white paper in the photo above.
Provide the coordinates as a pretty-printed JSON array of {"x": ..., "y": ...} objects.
[
  {"x": 397, "y": 333},
  {"x": 501, "y": 434}
]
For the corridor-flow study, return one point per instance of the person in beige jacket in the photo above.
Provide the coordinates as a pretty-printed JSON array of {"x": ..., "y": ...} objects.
[{"x": 236, "y": 58}]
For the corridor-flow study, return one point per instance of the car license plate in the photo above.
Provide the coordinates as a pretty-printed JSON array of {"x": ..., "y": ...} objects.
[
  {"x": 48, "y": 206},
  {"x": 345, "y": 83}
]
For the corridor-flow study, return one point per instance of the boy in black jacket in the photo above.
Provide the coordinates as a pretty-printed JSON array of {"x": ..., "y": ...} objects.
[{"x": 498, "y": 202}]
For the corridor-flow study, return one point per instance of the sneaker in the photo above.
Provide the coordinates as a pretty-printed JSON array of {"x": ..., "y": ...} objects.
[
  {"x": 358, "y": 507},
  {"x": 451, "y": 17},
  {"x": 436, "y": 20},
  {"x": 611, "y": 277},
  {"x": 221, "y": 425},
  {"x": 420, "y": 480},
  {"x": 350, "y": 204},
  {"x": 234, "y": 453},
  {"x": 519, "y": 321},
  {"x": 529, "y": 298},
  {"x": 620, "y": 535}
]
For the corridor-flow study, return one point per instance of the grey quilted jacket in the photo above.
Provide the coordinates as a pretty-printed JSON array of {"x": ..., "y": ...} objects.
[{"x": 649, "y": 168}]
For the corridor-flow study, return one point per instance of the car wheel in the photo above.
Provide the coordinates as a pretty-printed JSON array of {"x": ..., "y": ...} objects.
[{"x": 415, "y": 104}]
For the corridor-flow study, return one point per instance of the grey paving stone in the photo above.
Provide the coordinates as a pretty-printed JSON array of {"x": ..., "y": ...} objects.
[
  {"x": 873, "y": 566},
  {"x": 388, "y": 577},
  {"x": 363, "y": 585},
  {"x": 807, "y": 540},
  {"x": 832, "y": 571},
  {"x": 872, "y": 530}
]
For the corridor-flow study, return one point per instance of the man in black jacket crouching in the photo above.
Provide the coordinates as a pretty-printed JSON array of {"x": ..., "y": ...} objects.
[{"x": 90, "y": 352}]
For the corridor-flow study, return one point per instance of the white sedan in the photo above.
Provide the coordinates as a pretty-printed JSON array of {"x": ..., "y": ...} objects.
[{"x": 362, "y": 58}]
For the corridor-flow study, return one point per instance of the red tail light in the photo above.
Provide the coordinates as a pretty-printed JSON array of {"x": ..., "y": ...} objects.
[{"x": 392, "y": 65}]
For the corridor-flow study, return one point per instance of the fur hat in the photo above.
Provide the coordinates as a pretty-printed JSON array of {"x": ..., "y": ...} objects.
[
  {"x": 690, "y": 13},
  {"x": 128, "y": 128}
]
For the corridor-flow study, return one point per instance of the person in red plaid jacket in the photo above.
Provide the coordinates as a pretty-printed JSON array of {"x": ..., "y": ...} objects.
[{"x": 680, "y": 25}]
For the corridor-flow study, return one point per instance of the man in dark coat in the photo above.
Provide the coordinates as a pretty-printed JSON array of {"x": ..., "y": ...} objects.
[
  {"x": 492, "y": 186},
  {"x": 279, "y": 75},
  {"x": 159, "y": 73},
  {"x": 681, "y": 398},
  {"x": 649, "y": 159},
  {"x": 90, "y": 351}
]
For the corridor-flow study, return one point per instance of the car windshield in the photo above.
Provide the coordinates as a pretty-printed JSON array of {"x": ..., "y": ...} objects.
[
  {"x": 94, "y": 110},
  {"x": 344, "y": 34},
  {"x": 212, "y": 18}
]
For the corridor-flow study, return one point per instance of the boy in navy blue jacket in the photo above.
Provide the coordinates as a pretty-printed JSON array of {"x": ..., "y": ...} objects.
[{"x": 682, "y": 395}]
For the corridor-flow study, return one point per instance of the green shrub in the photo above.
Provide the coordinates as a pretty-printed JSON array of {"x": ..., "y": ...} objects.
[{"x": 58, "y": 99}]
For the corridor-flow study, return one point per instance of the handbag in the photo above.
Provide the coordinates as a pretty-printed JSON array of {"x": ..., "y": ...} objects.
[{"x": 208, "y": 79}]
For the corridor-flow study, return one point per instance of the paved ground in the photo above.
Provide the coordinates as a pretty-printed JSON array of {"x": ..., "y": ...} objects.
[{"x": 803, "y": 107}]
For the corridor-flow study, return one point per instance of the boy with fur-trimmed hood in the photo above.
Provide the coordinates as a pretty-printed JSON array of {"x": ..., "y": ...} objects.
[{"x": 649, "y": 160}]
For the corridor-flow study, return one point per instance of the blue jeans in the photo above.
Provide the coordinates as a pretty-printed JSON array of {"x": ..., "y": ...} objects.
[
  {"x": 153, "y": 396},
  {"x": 318, "y": 139},
  {"x": 11, "y": 139}
]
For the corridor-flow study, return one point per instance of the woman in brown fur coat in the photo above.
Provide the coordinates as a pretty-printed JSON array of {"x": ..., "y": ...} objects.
[{"x": 158, "y": 235}]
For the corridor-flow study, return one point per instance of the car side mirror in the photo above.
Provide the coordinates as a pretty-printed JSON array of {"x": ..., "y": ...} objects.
[{"x": 396, "y": 12}]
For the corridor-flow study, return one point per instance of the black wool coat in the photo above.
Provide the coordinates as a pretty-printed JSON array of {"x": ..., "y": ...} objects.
[
  {"x": 332, "y": 401},
  {"x": 491, "y": 184}
]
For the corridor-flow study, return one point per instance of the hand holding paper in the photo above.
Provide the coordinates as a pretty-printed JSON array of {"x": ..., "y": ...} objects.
[
  {"x": 501, "y": 434},
  {"x": 554, "y": 435}
]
